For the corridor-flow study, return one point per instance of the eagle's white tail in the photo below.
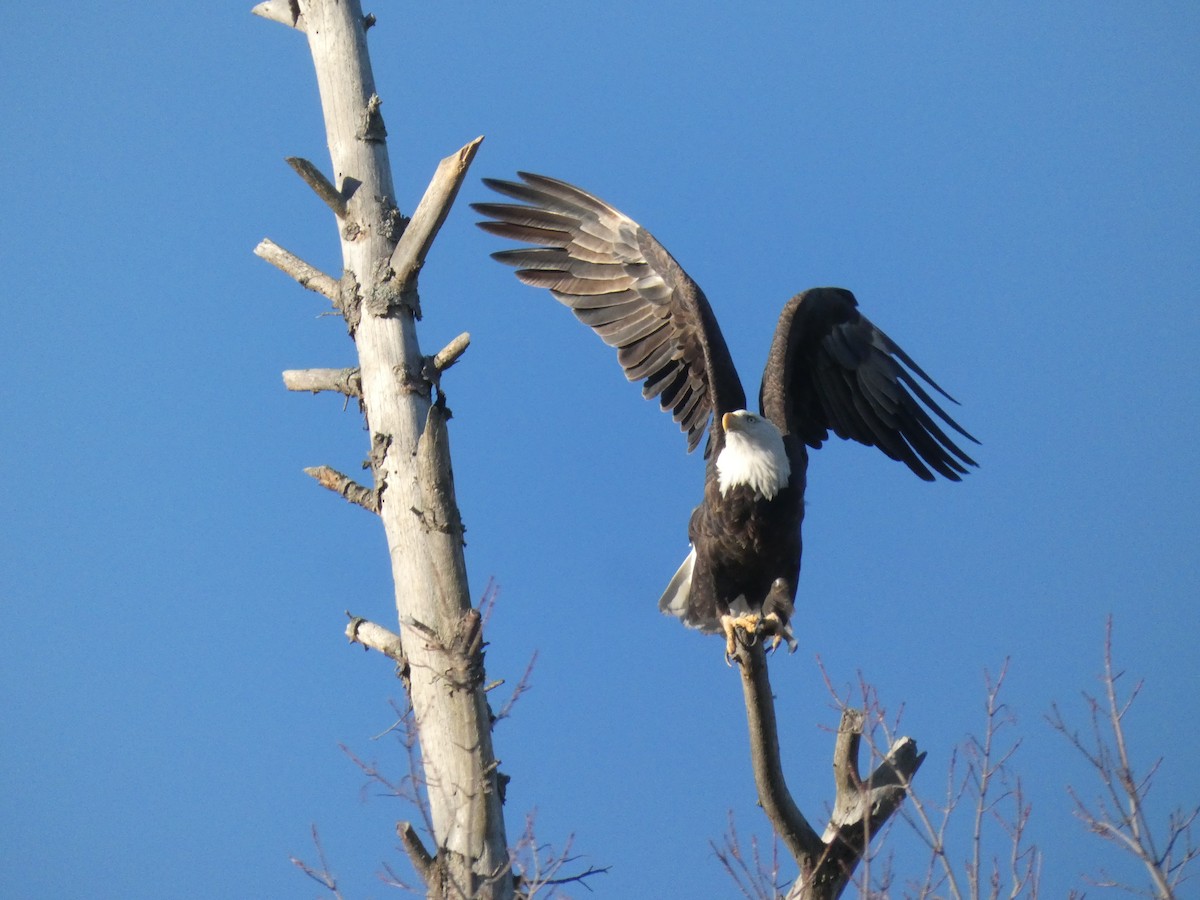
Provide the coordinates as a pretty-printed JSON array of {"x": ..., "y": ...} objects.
[{"x": 674, "y": 600}]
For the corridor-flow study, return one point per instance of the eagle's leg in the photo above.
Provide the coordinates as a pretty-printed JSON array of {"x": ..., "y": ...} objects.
[
  {"x": 780, "y": 631},
  {"x": 777, "y": 611}
]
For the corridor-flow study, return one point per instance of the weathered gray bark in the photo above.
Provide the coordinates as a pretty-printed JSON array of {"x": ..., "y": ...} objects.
[
  {"x": 861, "y": 807},
  {"x": 440, "y": 640}
]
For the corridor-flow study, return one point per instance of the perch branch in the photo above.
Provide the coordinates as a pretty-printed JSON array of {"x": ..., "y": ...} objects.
[
  {"x": 860, "y": 809},
  {"x": 789, "y": 823},
  {"x": 431, "y": 212},
  {"x": 346, "y": 486},
  {"x": 308, "y": 276},
  {"x": 343, "y": 381},
  {"x": 321, "y": 185}
]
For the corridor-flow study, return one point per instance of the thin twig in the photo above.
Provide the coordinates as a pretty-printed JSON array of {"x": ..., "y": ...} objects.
[
  {"x": 524, "y": 684},
  {"x": 322, "y": 876},
  {"x": 538, "y": 867}
]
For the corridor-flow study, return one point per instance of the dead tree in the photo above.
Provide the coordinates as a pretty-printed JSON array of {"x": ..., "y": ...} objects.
[{"x": 439, "y": 646}]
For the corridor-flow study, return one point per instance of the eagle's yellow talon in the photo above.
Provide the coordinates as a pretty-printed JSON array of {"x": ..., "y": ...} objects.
[{"x": 744, "y": 630}]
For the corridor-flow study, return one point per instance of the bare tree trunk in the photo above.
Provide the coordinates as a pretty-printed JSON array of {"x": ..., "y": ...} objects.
[{"x": 413, "y": 494}]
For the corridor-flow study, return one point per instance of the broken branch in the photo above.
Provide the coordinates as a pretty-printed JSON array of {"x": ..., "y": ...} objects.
[
  {"x": 431, "y": 212},
  {"x": 449, "y": 355},
  {"x": 423, "y": 862},
  {"x": 307, "y": 275},
  {"x": 321, "y": 185},
  {"x": 285, "y": 12},
  {"x": 346, "y": 486},
  {"x": 343, "y": 381},
  {"x": 376, "y": 637}
]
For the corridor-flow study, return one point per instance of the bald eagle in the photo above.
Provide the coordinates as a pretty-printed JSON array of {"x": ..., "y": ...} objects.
[{"x": 829, "y": 369}]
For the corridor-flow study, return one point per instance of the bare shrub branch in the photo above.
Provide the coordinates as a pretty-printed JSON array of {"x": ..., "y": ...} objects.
[
  {"x": 1118, "y": 814},
  {"x": 758, "y": 875},
  {"x": 321, "y": 876},
  {"x": 523, "y": 685},
  {"x": 539, "y": 869},
  {"x": 998, "y": 860}
]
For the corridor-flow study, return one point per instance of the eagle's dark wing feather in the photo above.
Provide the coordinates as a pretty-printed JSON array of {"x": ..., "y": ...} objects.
[
  {"x": 830, "y": 368},
  {"x": 625, "y": 286}
]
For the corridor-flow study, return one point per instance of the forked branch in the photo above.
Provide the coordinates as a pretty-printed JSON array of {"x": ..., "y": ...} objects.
[{"x": 861, "y": 808}]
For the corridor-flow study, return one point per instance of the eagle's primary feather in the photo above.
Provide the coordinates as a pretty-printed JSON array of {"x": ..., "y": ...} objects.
[{"x": 829, "y": 369}]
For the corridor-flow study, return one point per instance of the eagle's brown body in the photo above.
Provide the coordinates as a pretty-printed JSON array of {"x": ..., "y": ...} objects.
[{"x": 743, "y": 543}]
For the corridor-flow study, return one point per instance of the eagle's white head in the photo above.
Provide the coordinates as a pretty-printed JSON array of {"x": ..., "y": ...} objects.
[{"x": 753, "y": 455}]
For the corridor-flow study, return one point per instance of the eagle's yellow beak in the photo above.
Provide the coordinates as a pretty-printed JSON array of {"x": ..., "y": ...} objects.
[{"x": 728, "y": 422}]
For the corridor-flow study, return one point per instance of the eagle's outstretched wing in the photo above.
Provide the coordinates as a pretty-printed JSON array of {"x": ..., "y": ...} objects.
[
  {"x": 831, "y": 368},
  {"x": 621, "y": 282}
]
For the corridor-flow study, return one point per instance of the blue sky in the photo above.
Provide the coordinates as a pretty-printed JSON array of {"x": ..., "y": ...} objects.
[{"x": 1011, "y": 193}]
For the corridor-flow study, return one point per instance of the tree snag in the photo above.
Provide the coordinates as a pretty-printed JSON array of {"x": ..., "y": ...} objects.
[{"x": 413, "y": 493}]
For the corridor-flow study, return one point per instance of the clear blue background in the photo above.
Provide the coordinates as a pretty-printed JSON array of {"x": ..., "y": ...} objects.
[{"x": 1011, "y": 192}]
